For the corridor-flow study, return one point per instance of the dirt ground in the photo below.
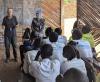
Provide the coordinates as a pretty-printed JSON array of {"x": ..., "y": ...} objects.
[{"x": 10, "y": 72}]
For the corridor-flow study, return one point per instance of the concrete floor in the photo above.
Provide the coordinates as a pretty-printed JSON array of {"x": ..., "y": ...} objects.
[{"x": 10, "y": 72}]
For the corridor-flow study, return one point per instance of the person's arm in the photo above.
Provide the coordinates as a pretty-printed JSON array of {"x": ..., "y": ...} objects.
[
  {"x": 3, "y": 23},
  {"x": 34, "y": 25},
  {"x": 16, "y": 22},
  {"x": 17, "y": 26},
  {"x": 42, "y": 24}
]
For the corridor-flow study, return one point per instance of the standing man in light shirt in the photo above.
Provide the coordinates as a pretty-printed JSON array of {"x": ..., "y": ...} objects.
[{"x": 9, "y": 25}]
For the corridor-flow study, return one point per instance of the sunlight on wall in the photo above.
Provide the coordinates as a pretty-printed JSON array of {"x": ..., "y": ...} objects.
[
  {"x": 70, "y": 12},
  {"x": 98, "y": 50},
  {"x": 68, "y": 26}
]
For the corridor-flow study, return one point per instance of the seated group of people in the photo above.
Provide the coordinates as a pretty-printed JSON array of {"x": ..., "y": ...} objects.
[{"x": 46, "y": 58}]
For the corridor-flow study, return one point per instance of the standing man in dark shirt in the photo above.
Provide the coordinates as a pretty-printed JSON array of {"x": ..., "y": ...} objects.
[
  {"x": 38, "y": 24},
  {"x": 10, "y": 23}
]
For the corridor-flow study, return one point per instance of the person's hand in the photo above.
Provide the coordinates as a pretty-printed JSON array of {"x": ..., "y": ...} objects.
[{"x": 17, "y": 25}]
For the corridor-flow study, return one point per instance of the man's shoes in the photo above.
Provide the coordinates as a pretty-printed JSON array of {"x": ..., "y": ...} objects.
[
  {"x": 6, "y": 60},
  {"x": 15, "y": 60}
]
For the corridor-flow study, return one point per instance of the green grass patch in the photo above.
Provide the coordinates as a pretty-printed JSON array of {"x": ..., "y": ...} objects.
[{"x": 69, "y": 1}]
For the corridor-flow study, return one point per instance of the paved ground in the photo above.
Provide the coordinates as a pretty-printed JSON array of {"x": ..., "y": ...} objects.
[{"x": 11, "y": 73}]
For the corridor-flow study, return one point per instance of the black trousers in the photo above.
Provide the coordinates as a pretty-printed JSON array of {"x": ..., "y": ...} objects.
[
  {"x": 10, "y": 41},
  {"x": 22, "y": 51}
]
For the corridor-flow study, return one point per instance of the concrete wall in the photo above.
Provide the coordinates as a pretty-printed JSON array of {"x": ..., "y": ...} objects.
[{"x": 23, "y": 9}]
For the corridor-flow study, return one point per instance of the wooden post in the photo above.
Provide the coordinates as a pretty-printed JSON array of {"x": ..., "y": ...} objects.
[
  {"x": 62, "y": 15},
  {"x": 78, "y": 9}
]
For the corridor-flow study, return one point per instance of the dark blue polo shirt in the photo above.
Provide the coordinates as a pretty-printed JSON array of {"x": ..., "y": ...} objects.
[{"x": 10, "y": 26}]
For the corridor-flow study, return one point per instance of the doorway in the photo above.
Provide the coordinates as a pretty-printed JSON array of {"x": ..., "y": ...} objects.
[{"x": 70, "y": 15}]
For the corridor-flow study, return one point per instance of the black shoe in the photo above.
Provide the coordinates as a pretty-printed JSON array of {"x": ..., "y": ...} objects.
[
  {"x": 6, "y": 60},
  {"x": 15, "y": 60}
]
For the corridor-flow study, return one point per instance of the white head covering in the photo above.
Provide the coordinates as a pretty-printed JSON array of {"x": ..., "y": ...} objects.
[{"x": 38, "y": 10}]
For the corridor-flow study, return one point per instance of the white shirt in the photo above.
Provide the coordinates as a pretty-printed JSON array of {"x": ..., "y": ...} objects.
[
  {"x": 74, "y": 63},
  {"x": 84, "y": 49},
  {"x": 29, "y": 57},
  {"x": 57, "y": 51},
  {"x": 62, "y": 39},
  {"x": 46, "y": 41},
  {"x": 45, "y": 71}
]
